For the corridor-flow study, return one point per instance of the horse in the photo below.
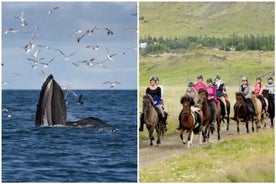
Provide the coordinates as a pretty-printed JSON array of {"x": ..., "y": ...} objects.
[
  {"x": 151, "y": 119},
  {"x": 259, "y": 111},
  {"x": 243, "y": 112},
  {"x": 223, "y": 113},
  {"x": 207, "y": 116},
  {"x": 190, "y": 120},
  {"x": 271, "y": 105}
]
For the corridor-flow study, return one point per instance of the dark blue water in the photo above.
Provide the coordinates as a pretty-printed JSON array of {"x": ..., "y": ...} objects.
[{"x": 66, "y": 154}]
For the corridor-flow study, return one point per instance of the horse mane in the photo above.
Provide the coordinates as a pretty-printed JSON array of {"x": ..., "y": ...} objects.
[
  {"x": 149, "y": 97},
  {"x": 187, "y": 98},
  {"x": 202, "y": 90}
]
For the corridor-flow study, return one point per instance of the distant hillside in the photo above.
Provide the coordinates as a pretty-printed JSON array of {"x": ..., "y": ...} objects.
[
  {"x": 218, "y": 19},
  {"x": 179, "y": 69}
]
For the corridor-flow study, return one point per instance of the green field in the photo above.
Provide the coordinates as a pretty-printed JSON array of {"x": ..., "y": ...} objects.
[
  {"x": 248, "y": 158},
  {"x": 219, "y": 19}
]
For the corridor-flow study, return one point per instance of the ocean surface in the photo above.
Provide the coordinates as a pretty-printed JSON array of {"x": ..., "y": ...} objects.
[{"x": 68, "y": 154}]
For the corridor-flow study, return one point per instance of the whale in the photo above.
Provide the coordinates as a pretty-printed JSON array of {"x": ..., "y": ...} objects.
[{"x": 51, "y": 108}]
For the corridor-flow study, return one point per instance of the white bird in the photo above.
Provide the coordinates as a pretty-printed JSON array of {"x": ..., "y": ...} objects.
[
  {"x": 16, "y": 74},
  {"x": 11, "y": 30},
  {"x": 52, "y": 10},
  {"x": 89, "y": 62},
  {"x": 66, "y": 57},
  {"x": 110, "y": 56},
  {"x": 94, "y": 47},
  {"x": 9, "y": 113},
  {"x": 46, "y": 64},
  {"x": 29, "y": 46},
  {"x": 22, "y": 19},
  {"x": 78, "y": 38},
  {"x": 111, "y": 83}
]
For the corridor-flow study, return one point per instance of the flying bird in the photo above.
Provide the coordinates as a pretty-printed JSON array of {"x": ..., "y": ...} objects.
[
  {"x": 22, "y": 19},
  {"x": 8, "y": 112},
  {"x": 11, "y": 30},
  {"x": 111, "y": 83},
  {"x": 52, "y": 10},
  {"x": 109, "y": 32}
]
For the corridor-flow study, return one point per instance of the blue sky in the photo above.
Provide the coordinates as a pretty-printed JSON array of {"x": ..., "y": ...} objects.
[{"x": 55, "y": 30}]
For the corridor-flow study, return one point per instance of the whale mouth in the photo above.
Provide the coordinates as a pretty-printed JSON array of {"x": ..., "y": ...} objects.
[{"x": 51, "y": 107}]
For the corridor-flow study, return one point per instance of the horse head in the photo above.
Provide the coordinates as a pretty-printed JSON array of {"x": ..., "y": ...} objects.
[
  {"x": 240, "y": 100},
  {"x": 147, "y": 102},
  {"x": 266, "y": 93},
  {"x": 202, "y": 95},
  {"x": 186, "y": 102}
]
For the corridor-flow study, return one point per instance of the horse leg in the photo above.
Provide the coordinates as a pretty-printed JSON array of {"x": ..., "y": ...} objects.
[
  {"x": 246, "y": 124},
  {"x": 271, "y": 120},
  {"x": 252, "y": 120},
  {"x": 218, "y": 128},
  {"x": 190, "y": 138},
  {"x": 181, "y": 136},
  {"x": 200, "y": 138},
  {"x": 238, "y": 126},
  {"x": 158, "y": 131},
  {"x": 150, "y": 129}
]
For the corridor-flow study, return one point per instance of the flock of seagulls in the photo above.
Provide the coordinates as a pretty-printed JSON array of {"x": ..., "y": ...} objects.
[{"x": 35, "y": 51}]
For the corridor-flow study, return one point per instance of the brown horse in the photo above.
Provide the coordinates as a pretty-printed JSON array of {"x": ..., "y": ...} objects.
[
  {"x": 151, "y": 119},
  {"x": 190, "y": 120},
  {"x": 207, "y": 116},
  {"x": 259, "y": 111},
  {"x": 271, "y": 105},
  {"x": 243, "y": 112}
]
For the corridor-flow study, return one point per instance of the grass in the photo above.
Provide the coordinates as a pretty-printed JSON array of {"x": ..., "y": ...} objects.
[
  {"x": 248, "y": 158},
  {"x": 219, "y": 19}
]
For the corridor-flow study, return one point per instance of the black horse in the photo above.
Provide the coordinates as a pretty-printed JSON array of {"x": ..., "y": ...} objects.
[{"x": 271, "y": 105}]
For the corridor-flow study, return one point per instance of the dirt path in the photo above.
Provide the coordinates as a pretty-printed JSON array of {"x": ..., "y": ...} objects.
[{"x": 171, "y": 146}]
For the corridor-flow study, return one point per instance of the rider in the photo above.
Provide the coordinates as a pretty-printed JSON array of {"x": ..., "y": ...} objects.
[
  {"x": 191, "y": 92},
  {"x": 200, "y": 84},
  {"x": 258, "y": 88},
  {"x": 155, "y": 91},
  {"x": 221, "y": 92},
  {"x": 212, "y": 98},
  {"x": 270, "y": 86},
  {"x": 244, "y": 89}
]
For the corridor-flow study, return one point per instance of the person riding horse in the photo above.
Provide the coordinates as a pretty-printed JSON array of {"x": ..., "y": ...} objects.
[
  {"x": 258, "y": 88},
  {"x": 221, "y": 93},
  {"x": 270, "y": 86},
  {"x": 155, "y": 91},
  {"x": 245, "y": 90},
  {"x": 190, "y": 92},
  {"x": 212, "y": 99}
]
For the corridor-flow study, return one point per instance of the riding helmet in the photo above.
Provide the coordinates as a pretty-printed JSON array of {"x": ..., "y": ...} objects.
[
  {"x": 209, "y": 80},
  {"x": 259, "y": 78},
  {"x": 217, "y": 77},
  {"x": 190, "y": 84},
  {"x": 244, "y": 79},
  {"x": 154, "y": 78},
  {"x": 200, "y": 77}
]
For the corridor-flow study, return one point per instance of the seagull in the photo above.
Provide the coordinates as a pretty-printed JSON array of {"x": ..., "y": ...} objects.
[
  {"x": 89, "y": 62},
  {"x": 111, "y": 83},
  {"x": 78, "y": 38},
  {"x": 9, "y": 113},
  {"x": 43, "y": 74},
  {"x": 110, "y": 56},
  {"x": 66, "y": 57},
  {"x": 22, "y": 19},
  {"x": 11, "y": 30},
  {"x": 28, "y": 47},
  {"x": 98, "y": 64},
  {"x": 47, "y": 63},
  {"x": 91, "y": 31},
  {"x": 52, "y": 10},
  {"x": 35, "y": 57},
  {"x": 16, "y": 74},
  {"x": 80, "y": 102},
  {"x": 4, "y": 83},
  {"x": 77, "y": 64},
  {"x": 109, "y": 32},
  {"x": 94, "y": 47}
]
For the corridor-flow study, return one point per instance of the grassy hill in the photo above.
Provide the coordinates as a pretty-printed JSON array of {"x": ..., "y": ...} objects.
[
  {"x": 179, "y": 69},
  {"x": 219, "y": 19}
]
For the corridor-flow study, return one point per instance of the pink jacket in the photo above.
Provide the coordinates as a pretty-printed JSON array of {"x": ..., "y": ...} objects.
[
  {"x": 258, "y": 89},
  {"x": 197, "y": 86},
  {"x": 212, "y": 93}
]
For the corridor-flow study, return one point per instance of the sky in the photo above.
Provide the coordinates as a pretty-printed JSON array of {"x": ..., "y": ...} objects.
[{"x": 55, "y": 30}]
